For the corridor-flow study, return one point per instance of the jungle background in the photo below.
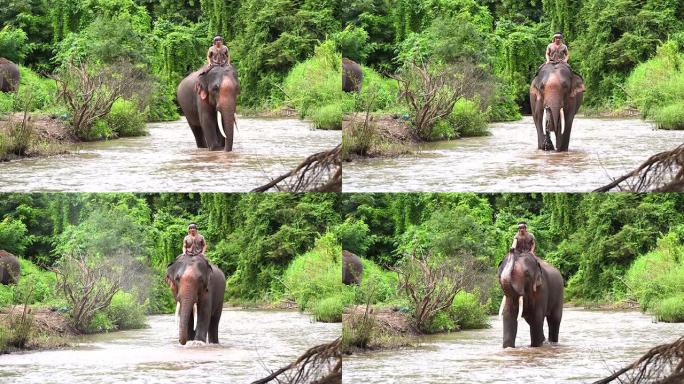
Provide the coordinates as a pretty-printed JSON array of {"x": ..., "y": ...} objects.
[
  {"x": 75, "y": 249},
  {"x": 276, "y": 46},
  {"x": 616, "y": 250},
  {"x": 629, "y": 53}
]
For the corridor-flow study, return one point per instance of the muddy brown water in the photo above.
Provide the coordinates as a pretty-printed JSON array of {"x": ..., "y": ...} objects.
[
  {"x": 592, "y": 344},
  {"x": 508, "y": 160},
  {"x": 168, "y": 160},
  {"x": 252, "y": 343}
]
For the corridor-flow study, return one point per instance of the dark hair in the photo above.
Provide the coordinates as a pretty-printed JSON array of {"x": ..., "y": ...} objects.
[
  {"x": 217, "y": 38},
  {"x": 192, "y": 226},
  {"x": 522, "y": 223}
]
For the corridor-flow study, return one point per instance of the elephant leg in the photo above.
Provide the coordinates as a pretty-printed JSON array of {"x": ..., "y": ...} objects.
[
  {"x": 209, "y": 126},
  {"x": 566, "y": 134},
  {"x": 510, "y": 322},
  {"x": 203, "y": 318},
  {"x": 213, "y": 327},
  {"x": 537, "y": 329},
  {"x": 199, "y": 136},
  {"x": 554, "y": 320},
  {"x": 559, "y": 140}
]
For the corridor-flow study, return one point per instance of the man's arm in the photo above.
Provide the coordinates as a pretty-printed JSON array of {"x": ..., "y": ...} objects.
[
  {"x": 184, "y": 249},
  {"x": 567, "y": 55},
  {"x": 204, "y": 250},
  {"x": 209, "y": 56},
  {"x": 534, "y": 245},
  {"x": 548, "y": 50}
]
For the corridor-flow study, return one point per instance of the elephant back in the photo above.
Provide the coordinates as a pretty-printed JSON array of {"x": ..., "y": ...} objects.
[
  {"x": 352, "y": 268},
  {"x": 9, "y": 268}
]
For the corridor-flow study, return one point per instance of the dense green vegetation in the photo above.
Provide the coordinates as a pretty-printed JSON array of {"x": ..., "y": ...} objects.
[
  {"x": 610, "y": 248},
  {"x": 608, "y": 40},
  {"x": 271, "y": 247},
  {"x": 154, "y": 44}
]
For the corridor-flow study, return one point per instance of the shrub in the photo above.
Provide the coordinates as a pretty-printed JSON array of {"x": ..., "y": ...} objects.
[
  {"x": 354, "y": 235},
  {"x": 377, "y": 285},
  {"x": 358, "y": 138},
  {"x": 124, "y": 119},
  {"x": 35, "y": 92},
  {"x": 468, "y": 312},
  {"x": 13, "y": 44},
  {"x": 125, "y": 312},
  {"x": 328, "y": 117},
  {"x": 467, "y": 119},
  {"x": 162, "y": 106},
  {"x": 329, "y": 309},
  {"x": 315, "y": 82},
  {"x": 382, "y": 90},
  {"x": 13, "y": 236},
  {"x": 671, "y": 310},
  {"x": 670, "y": 116},
  {"x": 6, "y": 103}
]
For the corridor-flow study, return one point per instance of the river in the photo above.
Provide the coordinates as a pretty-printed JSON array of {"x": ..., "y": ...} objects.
[
  {"x": 508, "y": 160},
  {"x": 167, "y": 160},
  {"x": 591, "y": 344},
  {"x": 251, "y": 341}
]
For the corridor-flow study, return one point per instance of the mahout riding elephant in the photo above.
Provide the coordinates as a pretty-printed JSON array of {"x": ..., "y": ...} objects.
[
  {"x": 9, "y": 76},
  {"x": 9, "y": 268},
  {"x": 351, "y": 76},
  {"x": 352, "y": 268},
  {"x": 555, "y": 97},
  {"x": 204, "y": 93},
  {"x": 198, "y": 288},
  {"x": 541, "y": 287}
]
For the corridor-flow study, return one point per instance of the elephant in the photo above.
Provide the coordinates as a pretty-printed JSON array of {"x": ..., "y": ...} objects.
[
  {"x": 9, "y": 76},
  {"x": 352, "y": 269},
  {"x": 541, "y": 287},
  {"x": 198, "y": 289},
  {"x": 351, "y": 76},
  {"x": 555, "y": 97},
  {"x": 9, "y": 268},
  {"x": 204, "y": 93}
]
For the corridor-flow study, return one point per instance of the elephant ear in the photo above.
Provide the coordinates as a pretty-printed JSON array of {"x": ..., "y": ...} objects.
[
  {"x": 202, "y": 87},
  {"x": 538, "y": 280},
  {"x": 577, "y": 85},
  {"x": 210, "y": 271}
]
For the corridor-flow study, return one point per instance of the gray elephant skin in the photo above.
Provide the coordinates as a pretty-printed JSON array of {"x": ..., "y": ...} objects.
[
  {"x": 352, "y": 77},
  {"x": 9, "y": 268},
  {"x": 9, "y": 76},
  {"x": 352, "y": 268},
  {"x": 555, "y": 97},
  {"x": 203, "y": 94},
  {"x": 194, "y": 281},
  {"x": 541, "y": 287}
]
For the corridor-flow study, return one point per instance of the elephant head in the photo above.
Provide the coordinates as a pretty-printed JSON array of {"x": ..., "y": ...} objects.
[
  {"x": 351, "y": 76},
  {"x": 352, "y": 268},
  {"x": 9, "y": 268},
  {"x": 520, "y": 274},
  {"x": 218, "y": 88},
  {"x": 189, "y": 278},
  {"x": 9, "y": 76},
  {"x": 555, "y": 97}
]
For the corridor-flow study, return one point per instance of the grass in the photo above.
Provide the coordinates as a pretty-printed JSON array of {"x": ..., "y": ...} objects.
[
  {"x": 328, "y": 117},
  {"x": 671, "y": 309},
  {"x": 670, "y": 116}
]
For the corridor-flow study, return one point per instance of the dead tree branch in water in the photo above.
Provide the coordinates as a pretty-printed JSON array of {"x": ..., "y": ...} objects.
[
  {"x": 321, "y": 364},
  {"x": 663, "y": 364},
  {"x": 662, "y": 172},
  {"x": 320, "y": 172}
]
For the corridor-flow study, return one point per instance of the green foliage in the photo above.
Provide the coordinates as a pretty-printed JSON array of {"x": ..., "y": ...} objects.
[
  {"x": 316, "y": 276},
  {"x": 354, "y": 236},
  {"x": 126, "y": 312},
  {"x": 162, "y": 106},
  {"x": 328, "y": 117},
  {"x": 671, "y": 309},
  {"x": 329, "y": 309},
  {"x": 468, "y": 312},
  {"x": 6, "y": 103},
  {"x": 377, "y": 92},
  {"x": 13, "y": 236},
  {"x": 377, "y": 285},
  {"x": 466, "y": 120},
  {"x": 353, "y": 43},
  {"x": 35, "y": 286},
  {"x": 35, "y": 91},
  {"x": 13, "y": 45},
  {"x": 124, "y": 119},
  {"x": 315, "y": 83},
  {"x": 670, "y": 116}
]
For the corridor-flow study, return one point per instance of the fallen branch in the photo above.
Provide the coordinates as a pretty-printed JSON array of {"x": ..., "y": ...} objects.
[
  {"x": 320, "y": 172},
  {"x": 313, "y": 367},
  {"x": 662, "y": 172}
]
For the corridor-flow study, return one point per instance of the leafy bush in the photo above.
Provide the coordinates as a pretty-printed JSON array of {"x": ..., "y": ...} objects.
[
  {"x": 13, "y": 44},
  {"x": 329, "y": 309},
  {"x": 671, "y": 309},
  {"x": 466, "y": 312},
  {"x": 35, "y": 286},
  {"x": 6, "y": 103},
  {"x": 354, "y": 235},
  {"x": 382, "y": 90},
  {"x": 467, "y": 119},
  {"x": 35, "y": 92},
  {"x": 328, "y": 116},
  {"x": 315, "y": 82},
  {"x": 124, "y": 119},
  {"x": 377, "y": 284},
  {"x": 353, "y": 42},
  {"x": 162, "y": 106},
  {"x": 13, "y": 236},
  {"x": 125, "y": 312},
  {"x": 315, "y": 275},
  {"x": 670, "y": 116}
]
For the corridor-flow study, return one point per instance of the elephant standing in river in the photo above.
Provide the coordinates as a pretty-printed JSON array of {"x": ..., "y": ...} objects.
[
  {"x": 541, "y": 287},
  {"x": 198, "y": 288},
  {"x": 352, "y": 268},
  {"x": 9, "y": 76},
  {"x": 9, "y": 268},
  {"x": 555, "y": 97},
  {"x": 351, "y": 76},
  {"x": 203, "y": 94}
]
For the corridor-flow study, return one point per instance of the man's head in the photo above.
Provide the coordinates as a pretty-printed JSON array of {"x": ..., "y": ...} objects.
[
  {"x": 192, "y": 228},
  {"x": 218, "y": 41},
  {"x": 557, "y": 37},
  {"x": 522, "y": 227}
]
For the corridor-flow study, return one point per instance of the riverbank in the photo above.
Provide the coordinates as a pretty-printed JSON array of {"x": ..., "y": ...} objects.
[
  {"x": 34, "y": 329},
  {"x": 38, "y": 135},
  {"x": 381, "y": 136},
  {"x": 377, "y": 329}
]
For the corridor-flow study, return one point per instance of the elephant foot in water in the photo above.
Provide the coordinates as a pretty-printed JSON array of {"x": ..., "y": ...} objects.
[
  {"x": 196, "y": 343},
  {"x": 548, "y": 144}
]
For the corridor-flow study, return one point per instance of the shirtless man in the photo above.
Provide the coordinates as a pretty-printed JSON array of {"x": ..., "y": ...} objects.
[
  {"x": 218, "y": 53},
  {"x": 524, "y": 241},
  {"x": 557, "y": 52},
  {"x": 194, "y": 243}
]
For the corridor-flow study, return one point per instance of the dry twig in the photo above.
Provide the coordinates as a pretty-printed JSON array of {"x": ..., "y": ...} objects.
[
  {"x": 321, "y": 364},
  {"x": 320, "y": 172}
]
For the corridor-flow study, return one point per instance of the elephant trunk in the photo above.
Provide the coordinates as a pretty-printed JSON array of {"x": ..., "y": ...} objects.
[
  {"x": 187, "y": 309},
  {"x": 226, "y": 108}
]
